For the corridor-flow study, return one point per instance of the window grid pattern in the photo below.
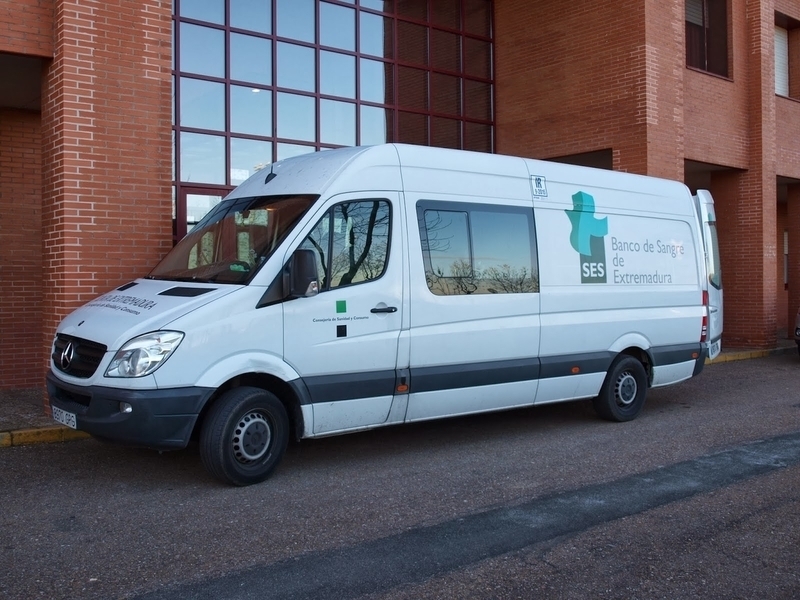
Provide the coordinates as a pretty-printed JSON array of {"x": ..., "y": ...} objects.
[{"x": 260, "y": 80}]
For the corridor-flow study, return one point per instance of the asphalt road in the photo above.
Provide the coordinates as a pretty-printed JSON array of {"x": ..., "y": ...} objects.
[{"x": 698, "y": 497}]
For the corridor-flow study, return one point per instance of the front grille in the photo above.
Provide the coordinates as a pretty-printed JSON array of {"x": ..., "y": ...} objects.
[{"x": 76, "y": 356}]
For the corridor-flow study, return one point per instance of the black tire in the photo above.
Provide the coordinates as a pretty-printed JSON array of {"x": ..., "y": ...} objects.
[
  {"x": 798, "y": 348},
  {"x": 244, "y": 436},
  {"x": 623, "y": 393}
]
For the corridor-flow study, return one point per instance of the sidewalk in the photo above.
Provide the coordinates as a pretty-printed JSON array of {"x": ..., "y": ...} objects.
[{"x": 23, "y": 419}]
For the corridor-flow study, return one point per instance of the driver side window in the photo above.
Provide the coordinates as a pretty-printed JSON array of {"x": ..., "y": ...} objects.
[{"x": 351, "y": 243}]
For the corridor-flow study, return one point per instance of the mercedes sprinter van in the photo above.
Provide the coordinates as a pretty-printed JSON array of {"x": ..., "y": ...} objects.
[{"x": 361, "y": 287}]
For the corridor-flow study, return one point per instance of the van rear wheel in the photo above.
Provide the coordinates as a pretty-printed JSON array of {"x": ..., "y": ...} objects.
[
  {"x": 244, "y": 436},
  {"x": 623, "y": 393}
]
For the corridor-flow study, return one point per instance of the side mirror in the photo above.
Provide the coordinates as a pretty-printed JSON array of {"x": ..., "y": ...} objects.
[{"x": 302, "y": 279}]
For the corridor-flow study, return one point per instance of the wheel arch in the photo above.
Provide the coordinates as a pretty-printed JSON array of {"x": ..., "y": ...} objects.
[
  {"x": 638, "y": 347},
  {"x": 285, "y": 392},
  {"x": 643, "y": 356}
]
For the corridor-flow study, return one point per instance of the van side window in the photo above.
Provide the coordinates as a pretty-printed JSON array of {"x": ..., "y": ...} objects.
[
  {"x": 351, "y": 243},
  {"x": 478, "y": 248}
]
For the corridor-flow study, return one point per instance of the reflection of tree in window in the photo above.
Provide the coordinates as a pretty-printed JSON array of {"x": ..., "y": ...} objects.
[
  {"x": 447, "y": 242},
  {"x": 508, "y": 280},
  {"x": 459, "y": 280},
  {"x": 364, "y": 225},
  {"x": 351, "y": 243},
  {"x": 462, "y": 279},
  {"x": 479, "y": 252}
]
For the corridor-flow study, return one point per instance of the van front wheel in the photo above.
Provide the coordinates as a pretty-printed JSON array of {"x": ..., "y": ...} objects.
[
  {"x": 244, "y": 436},
  {"x": 622, "y": 395}
]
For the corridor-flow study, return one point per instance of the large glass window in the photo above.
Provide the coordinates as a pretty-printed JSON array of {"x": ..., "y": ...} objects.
[
  {"x": 251, "y": 59},
  {"x": 707, "y": 35},
  {"x": 202, "y": 50},
  {"x": 255, "y": 15},
  {"x": 337, "y": 26},
  {"x": 478, "y": 249},
  {"x": 248, "y": 157},
  {"x": 296, "y": 19},
  {"x": 262, "y": 80},
  {"x": 202, "y": 158},
  {"x": 202, "y": 104},
  {"x": 251, "y": 111},
  {"x": 337, "y": 75},
  {"x": 212, "y": 11},
  {"x": 337, "y": 122},
  {"x": 296, "y": 117}
]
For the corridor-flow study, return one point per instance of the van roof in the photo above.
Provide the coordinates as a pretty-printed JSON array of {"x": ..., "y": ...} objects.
[
  {"x": 376, "y": 168},
  {"x": 315, "y": 172}
]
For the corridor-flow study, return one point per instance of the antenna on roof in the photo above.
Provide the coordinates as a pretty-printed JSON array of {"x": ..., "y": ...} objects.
[{"x": 270, "y": 175}]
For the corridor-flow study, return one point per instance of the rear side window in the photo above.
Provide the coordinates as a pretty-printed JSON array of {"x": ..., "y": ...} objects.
[
  {"x": 478, "y": 248},
  {"x": 351, "y": 243}
]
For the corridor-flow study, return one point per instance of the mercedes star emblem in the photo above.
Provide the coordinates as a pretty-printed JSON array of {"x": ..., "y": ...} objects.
[{"x": 67, "y": 355}]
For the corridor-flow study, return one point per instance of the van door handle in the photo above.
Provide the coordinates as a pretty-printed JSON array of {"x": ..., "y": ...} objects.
[
  {"x": 714, "y": 309},
  {"x": 385, "y": 309}
]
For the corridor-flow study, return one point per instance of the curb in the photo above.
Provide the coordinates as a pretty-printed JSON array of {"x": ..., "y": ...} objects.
[
  {"x": 747, "y": 354},
  {"x": 42, "y": 435}
]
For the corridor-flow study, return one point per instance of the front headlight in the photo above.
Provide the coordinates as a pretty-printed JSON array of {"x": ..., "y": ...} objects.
[{"x": 144, "y": 354}]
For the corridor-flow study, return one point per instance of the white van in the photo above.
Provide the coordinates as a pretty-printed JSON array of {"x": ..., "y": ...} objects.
[{"x": 361, "y": 287}]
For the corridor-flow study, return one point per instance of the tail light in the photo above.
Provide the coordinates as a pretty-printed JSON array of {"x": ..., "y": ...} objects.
[{"x": 704, "y": 325}]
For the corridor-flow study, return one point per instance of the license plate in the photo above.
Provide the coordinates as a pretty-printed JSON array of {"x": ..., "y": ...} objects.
[
  {"x": 64, "y": 417},
  {"x": 713, "y": 350}
]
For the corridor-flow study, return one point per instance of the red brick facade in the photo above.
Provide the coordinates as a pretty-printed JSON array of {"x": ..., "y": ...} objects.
[
  {"x": 26, "y": 27},
  {"x": 613, "y": 77},
  {"x": 85, "y": 193},
  {"x": 20, "y": 249},
  {"x": 99, "y": 210}
]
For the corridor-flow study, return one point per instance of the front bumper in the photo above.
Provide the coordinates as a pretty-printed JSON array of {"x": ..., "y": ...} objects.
[{"x": 159, "y": 419}]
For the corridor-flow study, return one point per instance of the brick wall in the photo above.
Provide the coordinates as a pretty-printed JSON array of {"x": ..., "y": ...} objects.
[
  {"x": 20, "y": 249},
  {"x": 571, "y": 80},
  {"x": 787, "y": 137},
  {"x": 26, "y": 27},
  {"x": 747, "y": 200},
  {"x": 787, "y": 111},
  {"x": 613, "y": 75},
  {"x": 106, "y": 150},
  {"x": 716, "y": 109},
  {"x": 664, "y": 60}
]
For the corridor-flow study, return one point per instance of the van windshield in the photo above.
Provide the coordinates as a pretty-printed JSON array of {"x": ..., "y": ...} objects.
[{"x": 233, "y": 240}]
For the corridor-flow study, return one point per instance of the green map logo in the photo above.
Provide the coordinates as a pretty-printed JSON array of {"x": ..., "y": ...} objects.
[{"x": 587, "y": 238}]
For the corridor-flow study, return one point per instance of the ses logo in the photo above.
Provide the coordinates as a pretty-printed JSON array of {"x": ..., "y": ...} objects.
[{"x": 587, "y": 238}]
